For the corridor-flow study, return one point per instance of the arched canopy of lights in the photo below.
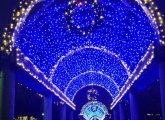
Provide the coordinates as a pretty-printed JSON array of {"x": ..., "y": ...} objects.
[{"x": 75, "y": 43}]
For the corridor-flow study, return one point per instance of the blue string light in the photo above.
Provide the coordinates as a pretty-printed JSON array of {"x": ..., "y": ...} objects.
[
  {"x": 84, "y": 17},
  {"x": 48, "y": 35},
  {"x": 92, "y": 78}
]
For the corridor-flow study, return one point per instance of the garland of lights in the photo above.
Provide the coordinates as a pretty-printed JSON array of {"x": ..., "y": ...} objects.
[
  {"x": 85, "y": 6},
  {"x": 135, "y": 75},
  {"x": 20, "y": 14},
  {"x": 28, "y": 66},
  {"x": 91, "y": 79},
  {"x": 72, "y": 52},
  {"x": 157, "y": 18}
]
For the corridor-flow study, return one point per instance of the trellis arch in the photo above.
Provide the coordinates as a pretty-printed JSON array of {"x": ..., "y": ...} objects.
[
  {"x": 109, "y": 84},
  {"x": 135, "y": 48}
]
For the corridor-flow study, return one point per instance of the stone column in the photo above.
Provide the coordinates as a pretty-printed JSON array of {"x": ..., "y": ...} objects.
[
  {"x": 48, "y": 106},
  {"x": 122, "y": 111},
  {"x": 133, "y": 105},
  {"x": 63, "y": 112}
]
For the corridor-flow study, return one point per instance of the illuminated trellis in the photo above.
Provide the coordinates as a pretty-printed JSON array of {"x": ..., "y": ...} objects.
[
  {"x": 90, "y": 59},
  {"x": 45, "y": 40},
  {"x": 91, "y": 78}
]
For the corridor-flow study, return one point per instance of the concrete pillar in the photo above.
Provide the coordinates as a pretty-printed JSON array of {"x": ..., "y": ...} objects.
[
  {"x": 122, "y": 111},
  {"x": 133, "y": 105},
  {"x": 116, "y": 113},
  {"x": 48, "y": 106},
  {"x": 63, "y": 112},
  {"x": 162, "y": 86}
]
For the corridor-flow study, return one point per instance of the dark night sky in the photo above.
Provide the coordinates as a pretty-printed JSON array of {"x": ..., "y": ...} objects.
[{"x": 6, "y": 10}]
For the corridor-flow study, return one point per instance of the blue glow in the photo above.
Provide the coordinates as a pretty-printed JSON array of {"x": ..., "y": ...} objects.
[
  {"x": 80, "y": 16},
  {"x": 124, "y": 29},
  {"x": 92, "y": 79},
  {"x": 93, "y": 110}
]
